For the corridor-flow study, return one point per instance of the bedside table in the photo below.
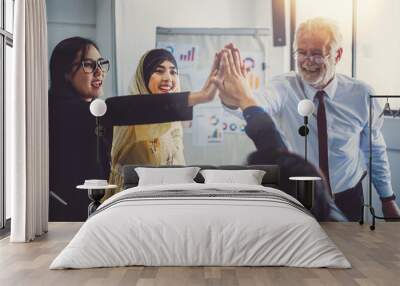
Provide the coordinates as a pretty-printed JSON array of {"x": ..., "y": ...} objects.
[
  {"x": 95, "y": 193},
  {"x": 305, "y": 190}
]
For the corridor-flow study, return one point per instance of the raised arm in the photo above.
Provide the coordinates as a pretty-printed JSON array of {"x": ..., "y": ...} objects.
[
  {"x": 145, "y": 109},
  {"x": 169, "y": 107},
  {"x": 235, "y": 89}
]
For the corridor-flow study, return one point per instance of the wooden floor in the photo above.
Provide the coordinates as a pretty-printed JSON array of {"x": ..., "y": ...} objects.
[{"x": 374, "y": 255}]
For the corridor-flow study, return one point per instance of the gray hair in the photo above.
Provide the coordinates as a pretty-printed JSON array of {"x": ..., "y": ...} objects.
[{"x": 321, "y": 25}]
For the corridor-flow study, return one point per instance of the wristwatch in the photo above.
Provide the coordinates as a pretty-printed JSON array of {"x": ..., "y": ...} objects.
[{"x": 388, "y": 199}]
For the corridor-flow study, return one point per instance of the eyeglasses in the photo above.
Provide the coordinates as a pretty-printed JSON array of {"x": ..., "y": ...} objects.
[
  {"x": 318, "y": 59},
  {"x": 89, "y": 65}
]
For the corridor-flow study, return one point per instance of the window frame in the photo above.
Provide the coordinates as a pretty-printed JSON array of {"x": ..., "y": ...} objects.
[{"x": 6, "y": 39}]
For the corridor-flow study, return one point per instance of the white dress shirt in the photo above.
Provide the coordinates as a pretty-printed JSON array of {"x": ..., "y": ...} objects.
[{"x": 347, "y": 115}]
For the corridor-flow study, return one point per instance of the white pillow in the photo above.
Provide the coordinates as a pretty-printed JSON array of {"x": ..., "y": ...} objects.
[
  {"x": 164, "y": 176},
  {"x": 248, "y": 177}
]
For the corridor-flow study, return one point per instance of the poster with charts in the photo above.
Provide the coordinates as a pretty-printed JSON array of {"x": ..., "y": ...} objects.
[
  {"x": 186, "y": 55},
  {"x": 253, "y": 62},
  {"x": 207, "y": 126},
  {"x": 232, "y": 123}
]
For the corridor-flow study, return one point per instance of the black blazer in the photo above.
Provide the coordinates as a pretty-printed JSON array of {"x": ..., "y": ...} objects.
[{"x": 72, "y": 138}]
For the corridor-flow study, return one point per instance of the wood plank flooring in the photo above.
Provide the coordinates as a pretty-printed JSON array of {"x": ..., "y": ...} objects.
[{"x": 374, "y": 255}]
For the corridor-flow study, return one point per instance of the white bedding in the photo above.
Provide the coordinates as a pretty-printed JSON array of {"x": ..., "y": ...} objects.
[{"x": 182, "y": 231}]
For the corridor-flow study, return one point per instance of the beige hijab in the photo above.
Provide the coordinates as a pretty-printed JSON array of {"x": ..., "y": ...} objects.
[{"x": 145, "y": 144}]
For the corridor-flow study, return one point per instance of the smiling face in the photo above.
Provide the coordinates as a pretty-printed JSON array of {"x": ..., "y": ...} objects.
[
  {"x": 317, "y": 75},
  {"x": 164, "y": 79},
  {"x": 88, "y": 85}
]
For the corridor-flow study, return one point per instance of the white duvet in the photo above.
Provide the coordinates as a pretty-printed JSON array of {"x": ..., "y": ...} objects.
[{"x": 200, "y": 231}]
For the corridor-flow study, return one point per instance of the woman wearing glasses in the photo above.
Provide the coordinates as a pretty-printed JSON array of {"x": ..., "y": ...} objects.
[{"x": 77, "y": 72}]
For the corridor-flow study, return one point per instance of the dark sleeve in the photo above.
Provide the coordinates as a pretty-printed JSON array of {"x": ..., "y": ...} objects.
[
  {"x": 146, "y": 109},
  {"x": 261, "y": 129},
  {"x": 290, "y": 165}
]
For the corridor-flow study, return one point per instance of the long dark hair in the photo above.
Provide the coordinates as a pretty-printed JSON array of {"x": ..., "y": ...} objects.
[{"x": 62, "y": 59}]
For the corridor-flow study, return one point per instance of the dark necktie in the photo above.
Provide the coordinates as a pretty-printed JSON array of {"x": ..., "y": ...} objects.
[{"x": 322, "y": 136}]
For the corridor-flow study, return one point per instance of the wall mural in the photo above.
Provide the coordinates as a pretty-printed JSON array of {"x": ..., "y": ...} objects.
[{"x": 190, "y": 102}]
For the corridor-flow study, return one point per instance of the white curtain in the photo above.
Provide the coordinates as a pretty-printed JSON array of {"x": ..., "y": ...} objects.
[{"x": 27, "y": 173}]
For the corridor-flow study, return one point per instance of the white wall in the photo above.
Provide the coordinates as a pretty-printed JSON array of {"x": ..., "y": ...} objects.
[
  {"x": 136, "y": 23},
  {"x": 378, "y": 56},
  {"x": 378, "y": 60},
  {"x": 105, "y": 39},
  {"x": 390, "y": 126},
  {"x": 338, "y": 10},
  {"x": 70, "y": 18}
]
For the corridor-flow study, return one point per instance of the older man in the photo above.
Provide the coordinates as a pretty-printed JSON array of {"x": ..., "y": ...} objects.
[
  {"x": 339, "y": 131},
  {"x": 260, "y": 128}
]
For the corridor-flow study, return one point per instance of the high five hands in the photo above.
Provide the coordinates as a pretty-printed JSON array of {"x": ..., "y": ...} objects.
[
  {"x": 228, "y": 77},
  {"x": 234, "y": 89},
  {"x": 209, "y": 90}
]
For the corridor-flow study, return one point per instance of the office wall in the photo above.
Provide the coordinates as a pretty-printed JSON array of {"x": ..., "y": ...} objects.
[
  {"x": 393, "y": 148},
  {"x": 377, "y": 64},
  {"x": 136, "y": 23},
  {"x": 70, "y": 18},
  {"x": 89, "y": 19}
]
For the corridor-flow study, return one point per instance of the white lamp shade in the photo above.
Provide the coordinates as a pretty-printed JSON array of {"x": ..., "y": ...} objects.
[
  {"x": 305, "y": 107},
  {"x": 98, "y": 107}
]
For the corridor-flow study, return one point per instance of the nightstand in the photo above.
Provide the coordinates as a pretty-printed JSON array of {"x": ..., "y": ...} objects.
[
  {"x": 95, "y": 194},
  {"x": 305, "y": 190}
]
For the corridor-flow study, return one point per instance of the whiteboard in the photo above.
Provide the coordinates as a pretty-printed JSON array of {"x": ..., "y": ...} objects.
[{"x": 214, "y": 136}]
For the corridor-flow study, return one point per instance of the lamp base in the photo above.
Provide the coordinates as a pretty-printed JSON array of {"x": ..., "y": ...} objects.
[
  {"x": 303, "y": 130},
  {"x": 95, "y": 195}
]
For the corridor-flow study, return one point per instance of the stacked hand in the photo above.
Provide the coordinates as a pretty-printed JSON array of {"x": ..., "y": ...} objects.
[
  {"x": 209, "y": 90},
  {"x": 231, "y": 81},
  {"x": 228, "y": 76}
]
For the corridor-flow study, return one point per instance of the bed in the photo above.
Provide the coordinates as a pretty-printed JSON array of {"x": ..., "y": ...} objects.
[{"x": 198, "y": 224}]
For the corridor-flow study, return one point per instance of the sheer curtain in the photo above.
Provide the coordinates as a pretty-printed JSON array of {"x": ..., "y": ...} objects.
[{"x": 27, "y": 124}]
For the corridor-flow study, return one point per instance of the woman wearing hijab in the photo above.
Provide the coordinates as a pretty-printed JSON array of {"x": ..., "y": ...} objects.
[
  {"x": 149, "y": 144},
  {"x": 77, "y": 71}
]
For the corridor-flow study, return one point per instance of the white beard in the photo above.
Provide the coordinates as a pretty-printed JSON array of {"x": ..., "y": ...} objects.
[{"x": 323, "y": 78}]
